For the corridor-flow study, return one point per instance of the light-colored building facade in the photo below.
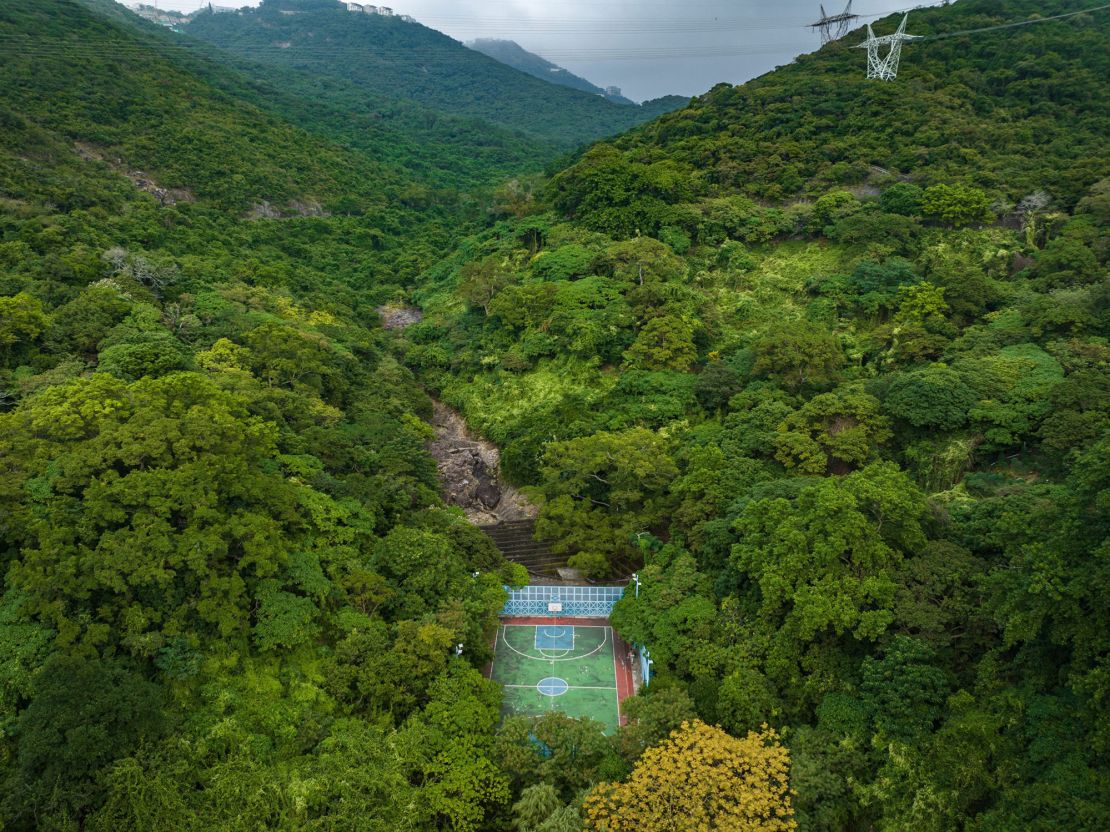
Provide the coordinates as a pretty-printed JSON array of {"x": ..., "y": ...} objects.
[{"x": 383, "y": 11}]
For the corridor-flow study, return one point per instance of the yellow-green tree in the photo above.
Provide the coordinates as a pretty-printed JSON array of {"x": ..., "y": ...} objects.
[{"x": 700, "y": 779}]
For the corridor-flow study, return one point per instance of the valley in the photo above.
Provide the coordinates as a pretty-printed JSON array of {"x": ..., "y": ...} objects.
[{"x": 762, "y": 438}]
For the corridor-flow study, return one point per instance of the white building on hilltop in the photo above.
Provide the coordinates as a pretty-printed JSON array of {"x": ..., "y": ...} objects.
[{"x": 383, "y": 11}]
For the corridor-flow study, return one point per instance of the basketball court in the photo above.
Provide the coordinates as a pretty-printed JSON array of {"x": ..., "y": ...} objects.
[{"x": 555, "y": 653}]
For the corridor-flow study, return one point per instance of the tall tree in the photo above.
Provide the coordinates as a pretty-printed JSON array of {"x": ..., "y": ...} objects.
[{"x": 700, "y": 778}]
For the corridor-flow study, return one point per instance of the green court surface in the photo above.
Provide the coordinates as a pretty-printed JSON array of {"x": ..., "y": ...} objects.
[{"x": 557, "y": 667}]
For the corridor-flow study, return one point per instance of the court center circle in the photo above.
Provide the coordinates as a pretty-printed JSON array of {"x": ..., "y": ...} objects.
[{"x": 552, "y": 686}]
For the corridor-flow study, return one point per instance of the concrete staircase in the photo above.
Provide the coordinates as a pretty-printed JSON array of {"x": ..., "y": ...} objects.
[{"x": 516, "y": 540}]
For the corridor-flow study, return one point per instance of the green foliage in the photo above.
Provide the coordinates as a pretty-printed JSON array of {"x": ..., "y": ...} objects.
[
  {"x": 554, "y": 749},
  {"x": 902, "y": 198},
  {"x": 822, "y": 562},
  {"x": 932, "y": 397},
  {"x": 819, "y": 121},
  {"x": 798, "y": 355},
  {"x": 22, "y": 320},
  {"x": 154, "y": 353},
  {"x": 664, "y": 343},
  {"x": 830, "y": 432},
  {"x": 852, "y": 444},
  {"x": 540, "y": 810},
  {"x": 833, "y": 206},
  {"x": 564, "y": 263},
  {"x": 601, "y": 490},
  {"x": 956, "y": 204},
  {"x": 85, "y": 714},
  {"x": 903, "y": 690},
  {"x": 784, "y": 445}
]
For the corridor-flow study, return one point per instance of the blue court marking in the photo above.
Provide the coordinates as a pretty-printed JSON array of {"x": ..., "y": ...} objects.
[
  {"x": 555, "y": 637},
  {"x": 552, "y": 686}
]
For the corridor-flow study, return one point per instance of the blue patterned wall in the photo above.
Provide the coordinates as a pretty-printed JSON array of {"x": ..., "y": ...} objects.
[{"x": 577, "y": 601}]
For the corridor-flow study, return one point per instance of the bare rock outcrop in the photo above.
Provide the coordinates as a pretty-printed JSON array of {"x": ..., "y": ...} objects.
[
  {"x": 469, "y": 470},
  {"x": 399, "y": 317}
]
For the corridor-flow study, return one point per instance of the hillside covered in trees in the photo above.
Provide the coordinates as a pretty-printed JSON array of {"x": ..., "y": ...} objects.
[
  {"x": 237, "y": 586},
  {"x": 389, "y": 57},
  {"x": 828, "y": 359},
  {"x": 513, "y": 54}
]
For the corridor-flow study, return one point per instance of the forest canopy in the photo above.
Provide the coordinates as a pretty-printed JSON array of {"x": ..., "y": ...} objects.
[{"x": 824, "y": 361}]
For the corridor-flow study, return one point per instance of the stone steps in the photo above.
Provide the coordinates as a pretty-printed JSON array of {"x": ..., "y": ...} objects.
[{"x": 516, "y": 541}]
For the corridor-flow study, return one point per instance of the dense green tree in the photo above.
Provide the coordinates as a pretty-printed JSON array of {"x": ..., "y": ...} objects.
[
  {"x": 540, "y": 810},
  {"x": 831, "y": 207},
  {"x": 663, "y": 343},
  {"x": 828, "y": 559},
  {"x": 479, "y": 282},
  {"x": 1012, "y": 386},
  {"x": 716, "y": 384},
  {"x": 932, "y": 397},
  {"x": 603, "y": 489},
  {"x": 589, "y": 317},
  {"x": 555, "y": 749},
  {"x": 877, "y": 285},
  {"x": 901, "y": 198},
  {"x": 153, "y": 513},
  {"x": 81, "y": 324},
  {"x": 956, "y": 204},
  {"x": 85, "y": 714},
  {"x": 22, "y": 320},
  {"x": 567, "y": 262},
  {"x": 903, "y": 689},
  {"x": 673, "y": 612},
  {"x": 831, "y": 432},
  {"x": 145, "y": 354},
  {"x": 798, "y": 355}
]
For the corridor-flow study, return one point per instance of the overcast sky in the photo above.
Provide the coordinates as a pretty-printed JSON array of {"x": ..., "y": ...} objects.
[{"x": 648, "y": 48}]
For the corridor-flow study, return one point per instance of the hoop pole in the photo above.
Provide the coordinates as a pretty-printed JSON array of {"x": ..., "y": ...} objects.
[{"x": 552, "y": 601}]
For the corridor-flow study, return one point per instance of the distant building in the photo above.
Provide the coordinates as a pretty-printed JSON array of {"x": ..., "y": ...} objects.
[
  {"x": 613, "y": 91},
  {"x": 383, "y": 11},
  {"x": 221, "y": 9},
  {"x": 156, "y": 15}
]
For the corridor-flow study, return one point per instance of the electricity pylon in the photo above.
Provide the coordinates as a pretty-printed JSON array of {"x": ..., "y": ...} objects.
[
  {"x": 834, "y": 27},
  {"x": 885, "y": 68}
]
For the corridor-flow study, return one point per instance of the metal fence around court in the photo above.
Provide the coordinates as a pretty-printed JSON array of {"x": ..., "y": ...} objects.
[{"x": 576, "y": 601}]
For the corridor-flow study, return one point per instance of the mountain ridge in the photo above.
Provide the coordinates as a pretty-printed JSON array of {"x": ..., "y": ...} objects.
[
  {"x": 399, "y": 59},
  {"x": 513, "y": 54}
]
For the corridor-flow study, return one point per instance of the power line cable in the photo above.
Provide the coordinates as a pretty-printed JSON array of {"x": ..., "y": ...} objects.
[
  {"x": 943, "y": 35},
  {"x": 302, "y": 53}
]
